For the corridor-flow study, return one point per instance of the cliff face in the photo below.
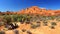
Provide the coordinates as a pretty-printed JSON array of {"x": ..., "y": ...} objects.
[{"x": 36, "y": 10}]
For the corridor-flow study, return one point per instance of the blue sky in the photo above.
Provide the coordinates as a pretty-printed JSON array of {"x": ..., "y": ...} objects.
[{"x": 15, "y": 5}]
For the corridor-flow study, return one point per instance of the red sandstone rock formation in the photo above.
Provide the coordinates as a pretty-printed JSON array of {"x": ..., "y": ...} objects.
[
  {"x": 41, "y": 11},
  {"x": 35, "y": 10}
]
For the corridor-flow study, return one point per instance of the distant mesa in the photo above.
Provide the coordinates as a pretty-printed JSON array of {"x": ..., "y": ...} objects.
[{"x": 35, "y": 10}]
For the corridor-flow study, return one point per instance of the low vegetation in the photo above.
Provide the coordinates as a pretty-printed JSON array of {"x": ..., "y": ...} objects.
[
  {"x": 16, "y": 31},
  {"x": 53, "y": 24},
  {"x": 29, "y": 32},
  {"x": 52, "y": 27},
  {"x": 23, "y": 30}
]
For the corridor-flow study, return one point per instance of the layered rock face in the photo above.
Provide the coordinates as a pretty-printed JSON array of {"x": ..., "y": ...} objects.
[{"x": 35, "y": 10}]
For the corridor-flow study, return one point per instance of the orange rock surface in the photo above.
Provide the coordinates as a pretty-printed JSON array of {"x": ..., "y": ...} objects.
[{"x": 35, "y": 10}]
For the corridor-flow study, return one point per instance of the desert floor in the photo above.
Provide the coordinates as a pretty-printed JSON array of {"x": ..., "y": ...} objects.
[{"x": 40, "y": 30}]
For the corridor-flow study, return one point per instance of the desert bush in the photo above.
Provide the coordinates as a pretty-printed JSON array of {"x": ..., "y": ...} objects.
[
  {"x": 22, "y": 22},
  {"x": 38, "y": 25},
  {"x": 52, "y": 27},
  {"x": 29, "y": 32},
  {"x": 7, "y": 19},
  {"x": 15, "y": 18},
  {"x": 37, "y": 15},
  {"x": 53, "y": 24},
  {"x": 2, "y": 32},
  {"x": 28, "y": 18},
  {"x": 35, "y": 25},
  {"x": 33, "y": 19},
  {"x": 58, "y": 18},
  {"x": 38, "y": 22},
  {"x": 45, "y": 23},
  {"x": 2, "y": 23},
  {"x": 42, "y": 18},
  {"x": 16, "y": 31},
  {"x": 27, "y": 22},
  {"x": 47, "y": 18},
  {"x": 22, "y": 19},
  {"x": 52, "y": 17},
  {"x": 23, "y": 30}
]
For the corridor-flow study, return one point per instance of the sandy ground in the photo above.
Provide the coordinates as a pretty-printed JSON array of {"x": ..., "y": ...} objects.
[{"x": 40, "y": 30}]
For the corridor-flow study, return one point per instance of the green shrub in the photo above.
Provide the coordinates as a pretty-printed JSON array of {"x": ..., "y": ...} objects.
[{"x": 15, "y": 18}]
